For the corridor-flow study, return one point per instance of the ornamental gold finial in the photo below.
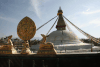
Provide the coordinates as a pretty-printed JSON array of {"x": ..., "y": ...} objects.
[{"x": 60, "y": 12}]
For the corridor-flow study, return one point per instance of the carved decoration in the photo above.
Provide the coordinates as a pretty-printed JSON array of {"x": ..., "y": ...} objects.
[
  {"x": 46, "y": 48},
  {"x": 8, "y": 48},
  {"x": 26, "y": 28}
]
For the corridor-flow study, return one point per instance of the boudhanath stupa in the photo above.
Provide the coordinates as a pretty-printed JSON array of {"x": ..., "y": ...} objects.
[{"x": 64, "y": 38}]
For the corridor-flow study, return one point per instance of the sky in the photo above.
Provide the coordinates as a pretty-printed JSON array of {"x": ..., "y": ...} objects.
[{"x": 83, "y": 13}]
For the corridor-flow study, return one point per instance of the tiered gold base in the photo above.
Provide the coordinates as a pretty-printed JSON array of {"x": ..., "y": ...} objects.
[
  {"x": 7, "y": 49},
  {"x": 46, "y": 52}
]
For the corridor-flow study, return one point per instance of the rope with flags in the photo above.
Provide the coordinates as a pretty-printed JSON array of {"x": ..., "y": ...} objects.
[
  {"x": 45, "y": 23},
  {"x": 86, "y": 34},
  {"x": 96, "y": 40},
  {"x": 70, "y": 29},
  {"x": 52, "y": 26}
]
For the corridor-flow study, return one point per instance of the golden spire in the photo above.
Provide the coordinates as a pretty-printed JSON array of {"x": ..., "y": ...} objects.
[
  {"x": 60, "y": 11},
  {"x": 61, "y": 23}
]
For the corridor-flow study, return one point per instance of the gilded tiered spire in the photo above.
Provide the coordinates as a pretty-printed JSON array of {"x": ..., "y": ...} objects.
[{"x": 61, "y": 23}]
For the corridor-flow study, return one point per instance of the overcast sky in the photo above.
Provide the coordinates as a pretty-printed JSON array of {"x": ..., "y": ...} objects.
[{"x": 83, "y": 13}]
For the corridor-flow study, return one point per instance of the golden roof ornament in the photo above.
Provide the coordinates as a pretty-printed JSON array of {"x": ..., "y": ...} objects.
[
  {"x": 26, "y": 28},
  {"x": 60, "y": 12},
  {"x": 46, "y": 48},
  {"x": 8, "y": 48}
]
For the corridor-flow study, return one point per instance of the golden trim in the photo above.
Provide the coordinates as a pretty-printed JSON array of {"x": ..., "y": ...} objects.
[{"x": 59, "y": 13}]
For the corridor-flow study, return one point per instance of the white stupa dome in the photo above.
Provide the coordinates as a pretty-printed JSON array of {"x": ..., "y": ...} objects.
[{"x": 60, "y": 37}]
